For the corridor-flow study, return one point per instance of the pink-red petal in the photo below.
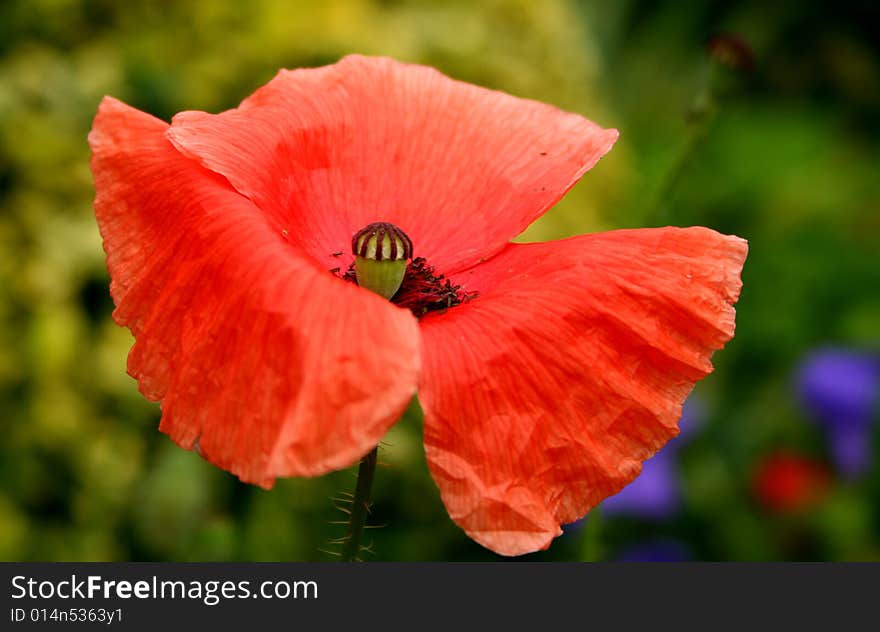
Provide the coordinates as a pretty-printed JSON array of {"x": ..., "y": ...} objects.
[
  {"x": 544, "y": 395},
  {"x": 461, "y": 169},
  {"x": 265, "y": 363}
]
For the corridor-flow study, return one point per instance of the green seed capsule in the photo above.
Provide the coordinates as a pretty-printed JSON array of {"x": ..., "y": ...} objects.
[{"x": 381, "y": 253}]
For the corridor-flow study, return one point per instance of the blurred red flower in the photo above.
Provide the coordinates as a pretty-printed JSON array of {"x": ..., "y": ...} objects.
[
  {"x": 788, "y": 482},
  {"x": 542, "y": 395}
]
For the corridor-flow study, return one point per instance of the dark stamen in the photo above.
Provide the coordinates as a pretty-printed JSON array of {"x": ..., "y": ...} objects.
[{"x": 423, "y": 291}]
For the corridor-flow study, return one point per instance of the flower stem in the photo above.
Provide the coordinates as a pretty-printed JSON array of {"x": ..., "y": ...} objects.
[
  {"x": 591, "y": 537},
  {"x": 360, "y": 507},
  {"x": 698, "y": 121}
]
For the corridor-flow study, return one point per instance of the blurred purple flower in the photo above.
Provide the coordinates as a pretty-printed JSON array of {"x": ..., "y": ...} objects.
[
  {"x": 666, "y": 550},
  {"x": 693, "y": 413},
  {"x": 656, "y": 493},
  {"x": 841, "y": 389}
]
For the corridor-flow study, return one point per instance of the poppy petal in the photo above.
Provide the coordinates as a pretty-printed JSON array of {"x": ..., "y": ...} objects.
[
  {"x": 266, "y": 364},
  {"x": 544, "y": 394},
  {"x": 461, "y": 169}
]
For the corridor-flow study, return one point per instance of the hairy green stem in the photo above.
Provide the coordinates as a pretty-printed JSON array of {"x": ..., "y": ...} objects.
[
  {"x": 360, "y": 507},
  {"x": 591, "y": 537}
]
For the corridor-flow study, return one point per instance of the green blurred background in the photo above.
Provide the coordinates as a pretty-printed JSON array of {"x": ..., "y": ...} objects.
[{"x": 783, "y": 152}]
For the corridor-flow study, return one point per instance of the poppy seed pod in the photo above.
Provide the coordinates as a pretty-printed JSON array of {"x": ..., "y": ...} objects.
[{"x": 381, "y": 251}]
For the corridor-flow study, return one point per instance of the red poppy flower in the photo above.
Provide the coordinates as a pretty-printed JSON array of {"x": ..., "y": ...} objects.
[
  {"x": 550, "y": 373},
  {"x": 787, "y": 482}
]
